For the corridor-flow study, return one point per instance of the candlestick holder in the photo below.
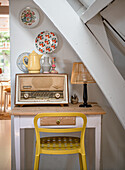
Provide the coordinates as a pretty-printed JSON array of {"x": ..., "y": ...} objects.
[{"x": 54, "y": 66}]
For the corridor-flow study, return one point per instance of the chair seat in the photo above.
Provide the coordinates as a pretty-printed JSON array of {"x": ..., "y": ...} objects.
[{"x": 59, "y": 143}]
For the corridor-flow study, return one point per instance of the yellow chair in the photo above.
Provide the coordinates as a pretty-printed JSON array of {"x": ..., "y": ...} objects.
[{"x": 60, "y": 144}]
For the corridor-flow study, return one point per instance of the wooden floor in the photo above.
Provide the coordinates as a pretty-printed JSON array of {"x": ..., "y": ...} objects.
[{"x": 5, "y": 144}]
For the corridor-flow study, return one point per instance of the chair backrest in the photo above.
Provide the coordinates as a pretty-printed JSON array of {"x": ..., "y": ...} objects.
[{"x": 58, "y": 129}]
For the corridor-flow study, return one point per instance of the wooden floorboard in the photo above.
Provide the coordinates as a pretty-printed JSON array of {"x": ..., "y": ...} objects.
[
  {"x": 5, "y": 144},
  {"x": 5, "y": 115}
]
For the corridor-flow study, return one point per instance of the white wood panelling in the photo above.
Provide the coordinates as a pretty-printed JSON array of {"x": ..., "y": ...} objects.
[
  {"x": 97, "y": 28},
  {"x": 94, "y": 9},
  {"x": 89, "y": 50}
]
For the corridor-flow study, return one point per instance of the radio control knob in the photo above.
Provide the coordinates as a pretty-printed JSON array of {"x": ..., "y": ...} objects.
[
  {"x": 26, "y": 96},
  {"x": 57, "y": 95}
]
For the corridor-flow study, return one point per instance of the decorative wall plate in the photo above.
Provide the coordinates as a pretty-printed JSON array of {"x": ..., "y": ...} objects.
[
  {"x": 29, "y": 17},
  {"x": 20, "y": 64},
  {"x": 46, "y": 42}
]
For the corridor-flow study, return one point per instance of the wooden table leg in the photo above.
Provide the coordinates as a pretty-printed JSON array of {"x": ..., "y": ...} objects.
[
  {"x": 94, "y": 121},
  {"x": 98, "y": 144},
  {"x": 17, "y": 141}
]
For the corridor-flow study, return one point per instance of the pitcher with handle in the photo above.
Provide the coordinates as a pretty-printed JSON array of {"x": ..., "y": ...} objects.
[{"x": 33, "y": 62}]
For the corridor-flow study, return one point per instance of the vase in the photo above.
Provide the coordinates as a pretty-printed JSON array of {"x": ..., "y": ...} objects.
[{"x": 46, "y": 66}]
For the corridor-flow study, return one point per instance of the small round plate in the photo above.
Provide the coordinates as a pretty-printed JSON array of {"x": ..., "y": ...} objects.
[
  {"x": 29, "y": 17},
  {"x": 46, "y": 42},
  {"x": 20, "y": 64}
]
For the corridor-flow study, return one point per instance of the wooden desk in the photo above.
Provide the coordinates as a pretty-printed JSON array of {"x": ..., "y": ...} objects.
[{"x": 24, "y": 116}]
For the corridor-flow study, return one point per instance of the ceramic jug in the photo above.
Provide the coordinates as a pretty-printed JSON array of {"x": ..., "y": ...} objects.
[
  {"x": 46, "y": 66},
  {"x": 33, "y": 62}
]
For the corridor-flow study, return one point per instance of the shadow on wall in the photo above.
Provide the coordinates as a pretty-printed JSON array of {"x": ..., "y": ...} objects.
[{"x": 113, "y": 134}]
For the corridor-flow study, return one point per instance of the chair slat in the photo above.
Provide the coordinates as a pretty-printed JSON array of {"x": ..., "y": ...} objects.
[{"x": 60, "y": 130}]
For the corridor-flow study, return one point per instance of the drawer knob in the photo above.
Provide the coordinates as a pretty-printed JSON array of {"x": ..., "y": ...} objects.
[{"x": 58, "y": 122}]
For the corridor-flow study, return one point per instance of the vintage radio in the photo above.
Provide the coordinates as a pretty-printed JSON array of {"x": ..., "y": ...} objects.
[{"x": 41, "y": 89}]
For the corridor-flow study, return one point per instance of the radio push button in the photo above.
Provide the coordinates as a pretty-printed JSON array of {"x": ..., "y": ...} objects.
[{"x": 57, "y": 95}]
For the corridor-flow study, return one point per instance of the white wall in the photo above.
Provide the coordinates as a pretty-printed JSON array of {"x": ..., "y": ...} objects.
[{"x": 23, "y": 40}]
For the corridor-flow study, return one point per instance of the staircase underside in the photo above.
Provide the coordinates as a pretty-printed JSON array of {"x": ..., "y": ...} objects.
[{"x": 89, "y": 50}]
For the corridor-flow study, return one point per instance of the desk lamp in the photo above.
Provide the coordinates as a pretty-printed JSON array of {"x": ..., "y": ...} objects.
[{"x": 80, "y": 75}]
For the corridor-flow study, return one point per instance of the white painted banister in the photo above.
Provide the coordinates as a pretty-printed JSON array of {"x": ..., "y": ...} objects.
[
  {"x": 97, "y": 28},
  {"x": 94, "y": 9},
  {"x": 89, "y": 50}
]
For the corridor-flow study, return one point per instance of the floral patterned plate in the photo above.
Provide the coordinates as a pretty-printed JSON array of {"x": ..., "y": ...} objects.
[
  {"x": 20, "y": 64},
  {"x": 29, "y": 17},
  {"x": 46, "y": 42}
]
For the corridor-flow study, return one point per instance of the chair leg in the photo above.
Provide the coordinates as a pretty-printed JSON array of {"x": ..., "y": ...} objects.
[
  {"x": 36, "y": 164},
  {"x": 80, "y": 161},
  {"x": 5, "y": 102},
  {"x": 84, "y": 162}
]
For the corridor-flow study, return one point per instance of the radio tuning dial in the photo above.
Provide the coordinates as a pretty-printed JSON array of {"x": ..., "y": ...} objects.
[
  {"x": 26, "y": 96},
  {"x": 57, "y": 95}
]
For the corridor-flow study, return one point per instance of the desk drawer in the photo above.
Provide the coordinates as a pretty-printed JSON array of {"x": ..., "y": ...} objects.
[{"x": 49, "y": 121}]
